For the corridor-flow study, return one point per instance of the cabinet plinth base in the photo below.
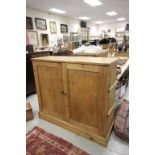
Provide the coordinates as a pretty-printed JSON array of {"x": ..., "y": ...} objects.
[{"x": 97, "y": 138}]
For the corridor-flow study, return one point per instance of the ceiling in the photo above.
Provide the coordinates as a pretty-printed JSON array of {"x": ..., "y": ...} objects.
[{"x": 77, "y": 8}]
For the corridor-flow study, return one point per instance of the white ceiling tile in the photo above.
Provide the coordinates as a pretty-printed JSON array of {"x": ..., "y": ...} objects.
[{"x": 77, "y": 8}]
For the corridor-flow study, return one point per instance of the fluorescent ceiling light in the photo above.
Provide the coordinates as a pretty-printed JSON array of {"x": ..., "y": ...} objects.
[
  {"x": 84, "y": 18},
  {"x": 112, "y": 13},
  {"x": 98, "y": 22},
  {"x": 93, "y": 2},
  {"x": 57, "y": 10},
  {"x": 121, "y": 19}
]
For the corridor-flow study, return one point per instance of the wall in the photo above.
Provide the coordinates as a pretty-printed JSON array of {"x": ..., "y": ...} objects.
[
  {"x": 73, "y": 24},
  {"x": 111, "y": 26}
]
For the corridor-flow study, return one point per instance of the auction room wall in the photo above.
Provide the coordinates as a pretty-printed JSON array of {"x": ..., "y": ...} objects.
[
  {"x": 73, "y": 24},
  {"x": 111, "y": 26}
]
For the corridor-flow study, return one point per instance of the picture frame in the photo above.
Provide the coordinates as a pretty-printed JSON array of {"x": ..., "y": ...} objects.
[
  {"x": 65, "y": 38},
  {"x": 40, "y": 23},
  {"x": 32, "y": 37},
  {"x": 53, "y": 27},
  {"x": 44, "y": 39},
  {"x": 63, "y": 28},
  {"x": 29, "y": 23},
  {"x": 120, "y": 29},
  {"x": 74, "y": 36}
]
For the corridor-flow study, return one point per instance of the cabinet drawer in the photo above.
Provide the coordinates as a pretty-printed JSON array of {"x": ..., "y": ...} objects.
[
  {"x": 84, "y": 67},
  {"x": 47, "y": 64}
]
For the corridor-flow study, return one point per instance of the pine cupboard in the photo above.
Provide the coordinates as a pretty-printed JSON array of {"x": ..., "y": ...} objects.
[{"x": 77, "y": 93}]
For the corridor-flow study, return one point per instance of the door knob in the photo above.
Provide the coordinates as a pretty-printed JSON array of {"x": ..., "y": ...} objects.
[{"x": 63, "y": 93}]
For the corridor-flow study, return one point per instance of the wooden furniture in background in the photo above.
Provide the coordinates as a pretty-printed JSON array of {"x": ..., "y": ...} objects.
[
  {"x": 71, "y": 46},
  {"x": 30, "y": 83},
  {"x": 123, "y": 54},
  {"x": 29, "y": 114},
  {"x": 77, "y": 93},
  {"x": 63, "y": 53}
]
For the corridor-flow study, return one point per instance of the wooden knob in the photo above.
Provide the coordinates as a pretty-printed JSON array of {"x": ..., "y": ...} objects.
[{"x": 63, "y": 93}]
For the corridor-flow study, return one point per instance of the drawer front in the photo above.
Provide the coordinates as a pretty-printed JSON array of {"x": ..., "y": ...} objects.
[{"x": 83, "y": 67}]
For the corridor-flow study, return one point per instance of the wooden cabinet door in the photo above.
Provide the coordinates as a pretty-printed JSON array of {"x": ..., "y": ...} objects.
[
  {"x": 49, "y": 88},
  {"x": 84, "y": 96}
]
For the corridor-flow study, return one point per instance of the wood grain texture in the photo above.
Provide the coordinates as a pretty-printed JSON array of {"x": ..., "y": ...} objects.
[
  {"x": 83, "y": 88},
  {"x": 81, "y": 59},
  {"x": 75, "y": 96},
  {"x": 50, "y": 84},
  {"x": 113, "y": 86},
  {"x": 76, "y": 129},
  {"x": 35, "y": 64},
  {"x": 29, "y": 113},
  {"x": 65, "y": 89},
  {"x": 102, "y": 91},
  {"x": 109, "y": 97}
]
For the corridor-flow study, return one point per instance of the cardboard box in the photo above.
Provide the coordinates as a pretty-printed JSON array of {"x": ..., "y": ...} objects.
[{"x": 29, "y": 114}]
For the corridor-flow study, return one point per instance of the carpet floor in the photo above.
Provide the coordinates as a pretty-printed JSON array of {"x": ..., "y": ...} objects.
[{"x": 40, "y": 142}]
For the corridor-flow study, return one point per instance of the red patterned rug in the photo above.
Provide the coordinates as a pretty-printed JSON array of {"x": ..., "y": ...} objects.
[{"x": 40, "y": 142}]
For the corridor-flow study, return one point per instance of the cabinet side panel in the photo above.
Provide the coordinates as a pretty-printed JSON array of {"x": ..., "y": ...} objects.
[
  {"x": 110, "y": 96},
  {"x": 112, "y": 79},
  {"x": 102, "y": 100}
]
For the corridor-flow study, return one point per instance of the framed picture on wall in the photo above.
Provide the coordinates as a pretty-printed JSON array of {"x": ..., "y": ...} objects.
[
  {"x": 63, "y": 28},
  {"x": 74, "y": 36},
  {"x": 40, "y": 24},
  {"x": 65, "y": 38},
  {"x": 44, "y": 39},
  {"x": 32, "y": 37},
  {"x": 120, "y": 28},
  {"x": 53, "y": 27},
  {"x": 29, "y": 23}
]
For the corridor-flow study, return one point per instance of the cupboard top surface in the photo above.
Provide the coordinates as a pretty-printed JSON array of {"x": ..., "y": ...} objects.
[{"x": 80, "y": 59}]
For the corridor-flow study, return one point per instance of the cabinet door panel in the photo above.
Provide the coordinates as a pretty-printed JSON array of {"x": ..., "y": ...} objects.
[
  {"x": 50, "y": 83},
  {"x": 84, "y": 97}
]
